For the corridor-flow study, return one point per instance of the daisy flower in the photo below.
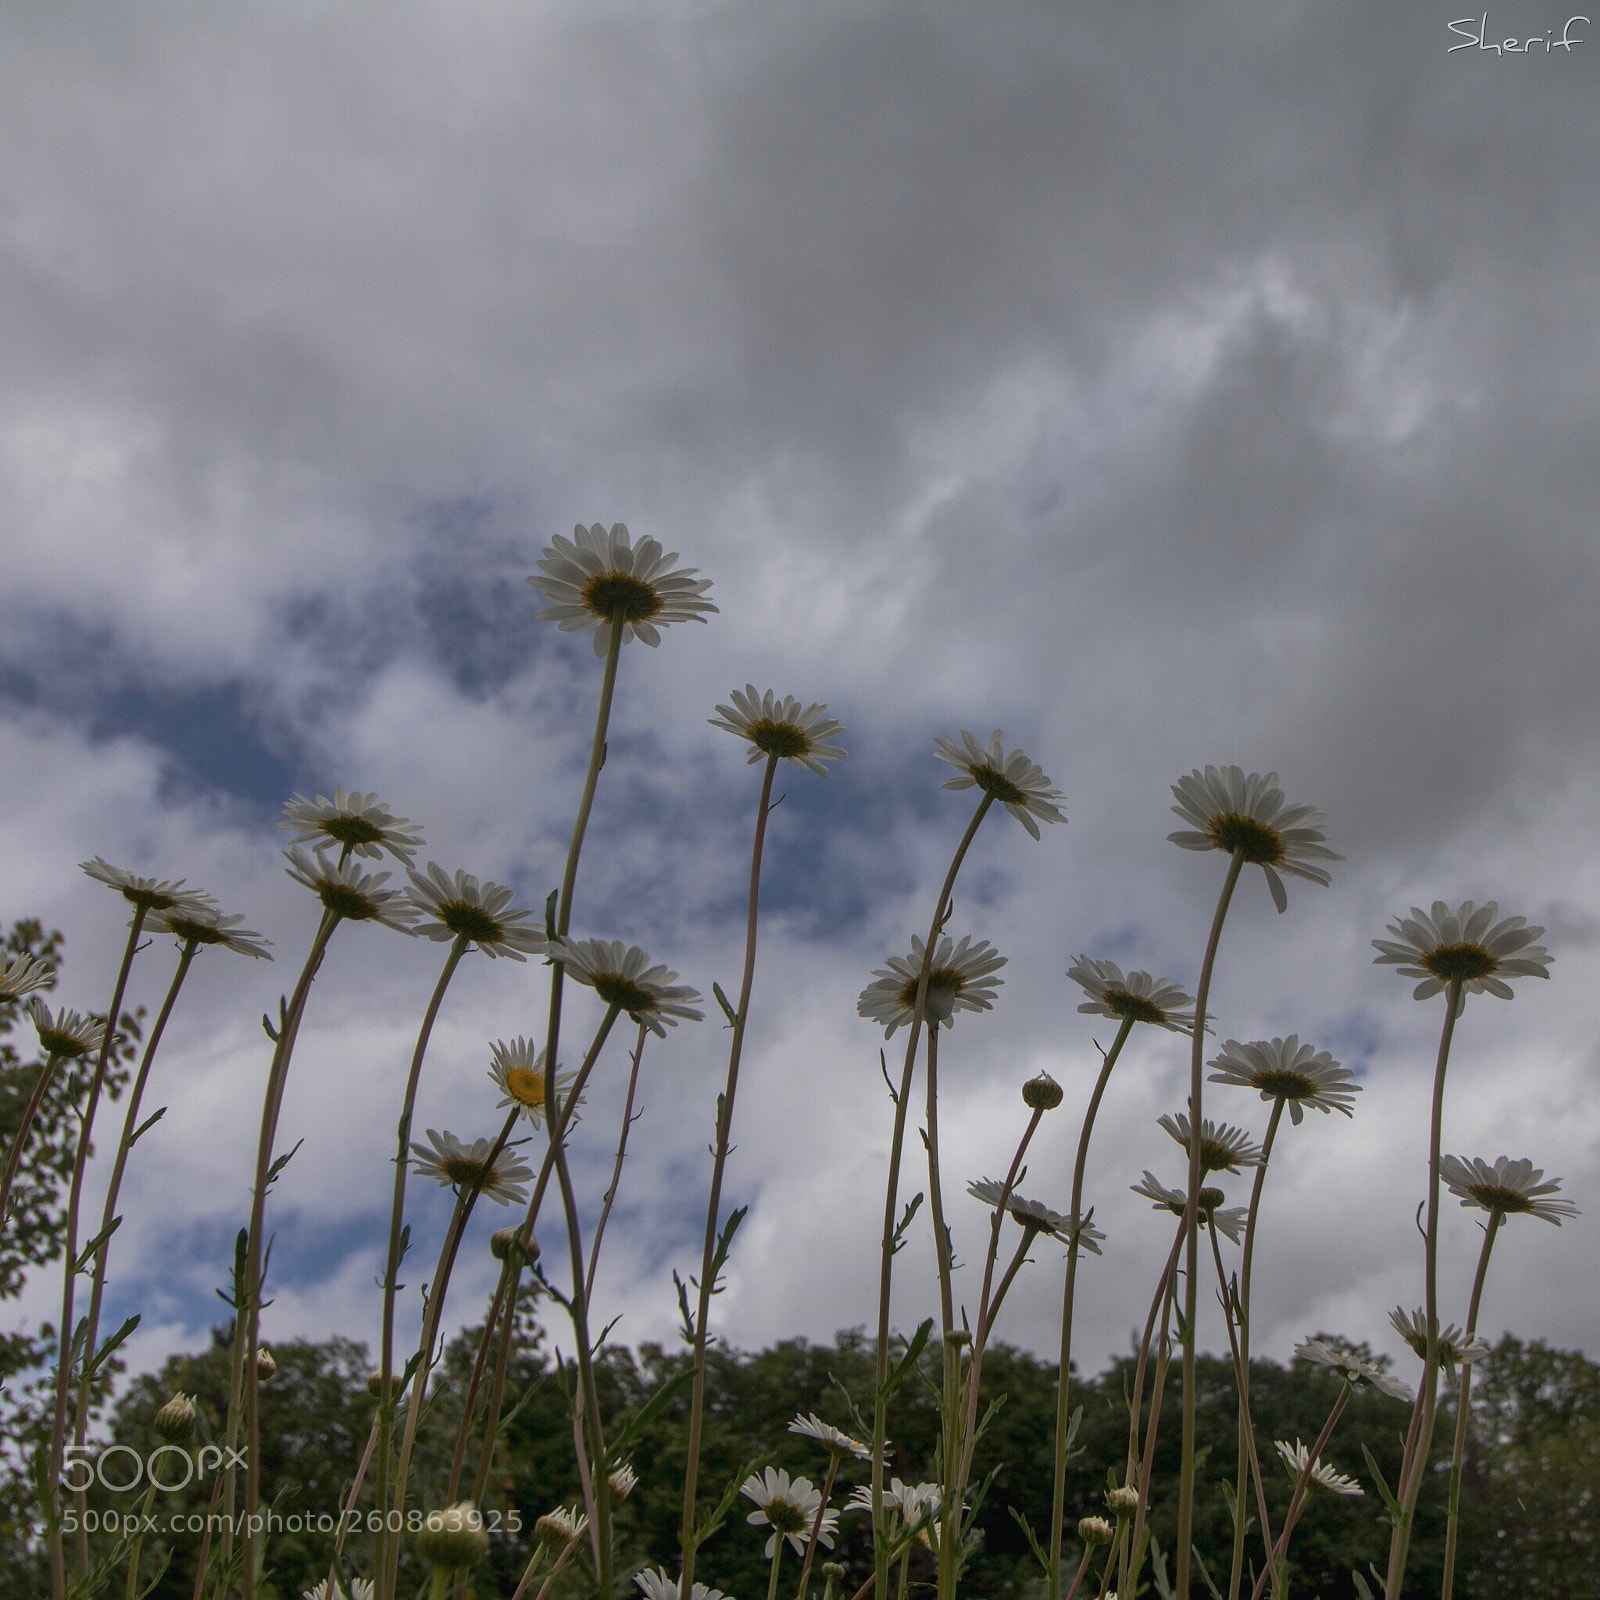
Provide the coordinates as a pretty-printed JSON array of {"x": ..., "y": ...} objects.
[
  {"x": 1232, "y": 810},
  {"x": 1032, "y": 1214},
  {"x": 1228, "y": 1221},
  {"x": 623, "y": 1479},
  {"x": 561, "y": 1527},
  {"x": 459, "y": 1166},
  {"x": 1012, "y": 779},
  {"x": 348, "y": 892},
  {"x": 599, "y": 580},
  {"x": 788, "y": 1506},
  {"x": 359, "y": 824},
  {"x": 462, "y": 908},
  {"x": 148, "y": 894},
  {"x": 838, "y": 1442},
  {"x": 1137, "y": 997},
  {"x": 622, "y": 976},
  {"x": 1285, "y": 1069},
  {"x": 781, "y": 728},
  {"x": 912, "y": 1501},
  {"x": 360, "y": 1589},
  {"x": 210, "y": 927},
  {"x": 518, "y": 1071},
  {"x": 1452, "y": 1344},
  {"x": 1511, "y": 1188},
  {"x": 1319, "y": 1475},
  {"x": 1356, "y": 1372},
  {"x": 23, "y": 974},
  {"x": 66, "y": 1033},
  {"x": 1466, "y": 945},
  {"x": 656, "y": 1585},
  {"x": 1223, "y": 1147},
  {"x": 960, "y": 978}
]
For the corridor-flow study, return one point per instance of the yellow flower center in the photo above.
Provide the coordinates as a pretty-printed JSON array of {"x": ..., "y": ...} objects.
[
  {"x": 525, "y": 1087},
  {"x": 779, "y": 738},
  {"x": 351, "y": 830},
  {"x": 474, "y": 922},
  {"x": 1282, "y": 1081}
]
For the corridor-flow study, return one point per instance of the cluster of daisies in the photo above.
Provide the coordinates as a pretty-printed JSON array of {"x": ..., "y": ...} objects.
[{"x": 620, "y": 589}]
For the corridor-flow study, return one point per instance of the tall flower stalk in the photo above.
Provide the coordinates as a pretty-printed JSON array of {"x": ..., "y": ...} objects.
[{"x": 775, "y": 730}]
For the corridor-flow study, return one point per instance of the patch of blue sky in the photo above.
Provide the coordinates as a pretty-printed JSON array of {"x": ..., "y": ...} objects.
[{"x": 1352, "y": 1038}]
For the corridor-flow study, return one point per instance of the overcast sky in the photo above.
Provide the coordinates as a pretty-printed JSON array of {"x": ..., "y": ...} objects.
[{"x": 1164, "y": 385}]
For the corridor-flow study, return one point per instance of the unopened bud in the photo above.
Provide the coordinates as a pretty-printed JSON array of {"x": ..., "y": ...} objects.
[
  {"x": 265, "y": 1365},
  {"x": 375, "y": 1386},
  {"x": 505, "y": 1245},
  {"x": 1095, "y": 1530},
  {"x": 454, "y": 1538},
  {"x": 1123, "y": 1501},
  {"x": 559, "y": 1528},
  {"x": 1042, "y": 1093},
  {"x": 175, "y": 1420},
  {"x": 1210, "y": 1199},
  {"x": 833, "y": 1570}
]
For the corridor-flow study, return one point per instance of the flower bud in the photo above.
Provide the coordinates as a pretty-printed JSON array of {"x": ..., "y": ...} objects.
[
  {"x": 623, "y": 1480},
  {"x": 1042, "y": 1093},
  {"x": 375, "y": 1386},
  {"x": 1210, "y": 1199},
  {"x": 175, "y": 1420},
  {"x": 1123, "y": 1501},
  {"x": 1095, "y": 1530},
  {"x": 504, "y": 1245},
  {"x": 265, "y": 1365},
  {"x": 559, "y": 1528},
  {"x": 958, "y": 1338},
  {"x": 833, "y": 1570},
  {"x": 453, "y": 1538}
]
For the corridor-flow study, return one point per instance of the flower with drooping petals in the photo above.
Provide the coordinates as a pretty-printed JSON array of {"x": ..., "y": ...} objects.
[
  {"x": 1232, "y": 810},
  {"x": 602, "y": 580},
  {"x": 23, "y": 974},
  {"x": 1223, "y": 1147},
  {"x": 960, "y": 978},
  {"x": 360, "y": 824},
  {"x": 1032, "y": 1214},
  {"x": 1011, "y": 778},
  {"x": 1318, "y": 1474},
  {"x": 622, "y": 976},
  {"x": 65, "y": 1033},
  {"x": 1465, "y": 946},
  {"x": 1285, "y": 1069},
  {"x": 837, "y": 1441},
  {"x": 1509, "y": 1188},
  {"x": 656, "y": 1585},
  {"x": 1452, "y": 1344},
  {"x": 782, "y": 728},
  {"x": 1137, "y": 997},
  {"x": 1356, "y": 1372},
  {"x": 211, "y": 927},
  {"x": 147, "y": 894},
  {"x": 462, "y": 908},
  {"x": 459, "y": 1166},
  {"x": 1228, "y": 1221},
  {"x": 348, "y": 892}
]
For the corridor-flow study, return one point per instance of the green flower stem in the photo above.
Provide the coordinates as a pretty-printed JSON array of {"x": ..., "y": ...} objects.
[
  {"x": 1147, "y": 1457},
  {"x": 391, "y": 1273},
  {"x": 816, "y": 1525},
  {"x": 458, "y": 1461},
  {"x": 131, "y": 1591},
  {"x": 880, "y": 1411},
  {"x": 108, "y": 1213},
  {"x": 1297, "y": 1500},
  {"x": 1248, "y": 1454},
  {"x": 24, "y": 1128},
  {"x": 719, "y": 1160},
  {"x": 350, "y": 1503},
  {"x": 1077, "y": 1577},
  {"x": 1463, "y": 1412},
  {"x": 1191, "y": 1227},
  {"x": 558, "y": 1114},
  {"x": 1163, "y": 1289},
  {"x": 987, "y": 1310},
  {"x": 1064, "y": 1371},
  {"x": 628, "y": 1120},
  {"x": 241, "y": 1388},
  {"x": 1414, "y": 1468},
  {"x": 272, "y": 1106},
  {"x": 777, "y": 1556},
  {"x": 950, "y": 1355},
  {"x": 419, "y": 1382},
  {"x": 1240, "y": 1488},
  {"x": 58, "y": 1428}
]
